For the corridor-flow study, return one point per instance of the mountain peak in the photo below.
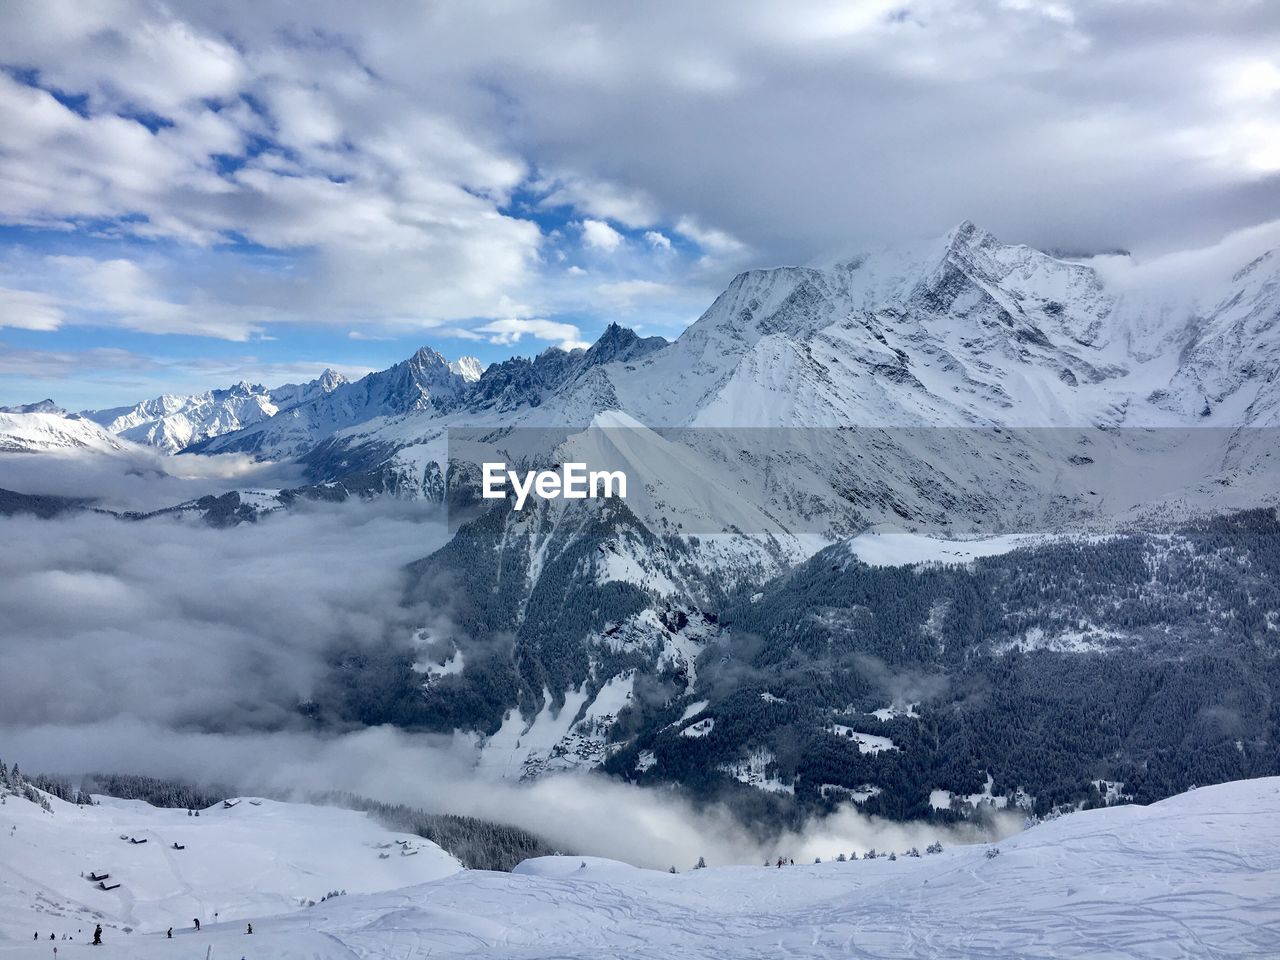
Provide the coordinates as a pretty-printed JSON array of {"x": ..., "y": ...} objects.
[
  {"x": 966, "y": 234},
  {"x": 621, "y": 343},
  {"x": 425, "y": 356},
  {"x": 468, "y": 368},
  {"x": 40, "y": 406},
  {"x": 330, "y": 380},
  {"x": 432, "y": 373}
]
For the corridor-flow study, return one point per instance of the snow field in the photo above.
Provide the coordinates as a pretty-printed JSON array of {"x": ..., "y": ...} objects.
[{"x": 1197, "y": 875}]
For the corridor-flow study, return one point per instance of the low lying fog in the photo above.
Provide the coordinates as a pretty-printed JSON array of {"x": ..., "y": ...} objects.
[
  {"x": 141, "y": 479},
  {"x": 168, "y": 648}
]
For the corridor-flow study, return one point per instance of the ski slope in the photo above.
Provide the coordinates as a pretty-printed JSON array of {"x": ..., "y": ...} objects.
[
  {"x": 1197, "y": 875},
  {"x": 258, "y": 858}
]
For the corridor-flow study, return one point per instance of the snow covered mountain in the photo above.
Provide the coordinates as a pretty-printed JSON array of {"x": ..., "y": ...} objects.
[
  {"x": 960, "y": 332},
  {"x": 172, "y": 423},
  {"x": 41, "y": 406},
  {"x": 721, "y": 627},
  {"x": 468, "y": 368},
  {"x": 1193, "y": 876},
  {"x": 46, "y": 432},
  {"x": 583, "y": 639},
  {"x": 920, "y": 357},
  {"x": 424, "y": 384}
]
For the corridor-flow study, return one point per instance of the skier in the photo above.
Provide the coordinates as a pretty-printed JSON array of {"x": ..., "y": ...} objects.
[
  {"x": 250, "y": 930},
  {"x": 196, "y": 921},
  {"x": 168, "y": 934},
  {"x": 97, "y": 935}
]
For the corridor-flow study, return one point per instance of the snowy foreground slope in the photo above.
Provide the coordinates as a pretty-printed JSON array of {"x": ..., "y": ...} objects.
[
  {"x": 1197, "y": 875},
  {"x": 257, "y": 858}
]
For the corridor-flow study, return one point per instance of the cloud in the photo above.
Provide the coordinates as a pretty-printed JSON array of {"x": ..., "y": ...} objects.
[
  {"x": 383, "y": 211},
  {"x": 625, "y": 294},
  {"x": 710, "y": 239},
  {"x": 172, "y": 649},
  {"x": 512, "y": 330},
  {"x": 582, "y": 813},
  {"x": 598, "y": 235},
  {"x": 29, "y": 310},
  {"x": 140, "y": 478},
  {"x": 111, "y": 603},
  {"x": 346, "y": 167},
  {"x": 116, "y": 292},
  {"x": 602, "y": 199},
  {"x": 67, "y": 363},
  {"x": 1192, "y": 273},
  {"x": 657, "y": 240},
  {"x": 125, "y": 291}
]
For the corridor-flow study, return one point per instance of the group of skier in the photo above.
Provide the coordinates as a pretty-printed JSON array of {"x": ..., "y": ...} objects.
[
  {"x": 97, "y": 932},
  {"x": 97, "y": 936}
]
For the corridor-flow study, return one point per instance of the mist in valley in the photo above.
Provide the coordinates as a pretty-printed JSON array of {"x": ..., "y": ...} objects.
[{"x": 171, "y": 649}]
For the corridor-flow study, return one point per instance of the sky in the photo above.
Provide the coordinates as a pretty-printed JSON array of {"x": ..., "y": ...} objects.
[{"x": 193, "y": 194}]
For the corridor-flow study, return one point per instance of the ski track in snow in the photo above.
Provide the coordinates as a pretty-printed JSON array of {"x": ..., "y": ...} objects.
[{"x": 1194, "y": 876}]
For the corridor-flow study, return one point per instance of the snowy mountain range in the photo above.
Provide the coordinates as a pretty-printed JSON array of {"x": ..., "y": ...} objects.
[
  {"x": 44, "y": 432},
  {"x": 1096, "y": 457},
  {"x": 964, "y": 331},
  {"x": 172, "y": 423},
  {"x": 426, "y": 384},
  {"x": 959, "y": 334}
]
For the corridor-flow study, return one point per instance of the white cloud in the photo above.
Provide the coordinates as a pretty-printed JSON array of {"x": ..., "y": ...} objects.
[
  {"x": 1189, "y": 273},
  {"x": 67, "y": 363},
  {"x": 385, "y": 210},
  {"x": 659, "y": 241},
  {"x": 29, "y": 310},
  {"x": 512, "y": 330},
  {"x": 158, "y": 62},
  {"x": 625, "y": 294},
  {"x": 123, "y": 293},
  {"x": 714, "y": 241},
  {"x": 382, "y": 167},
  {"x": 598, "y": 235},
  {"x": 602, "y": 199}
]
